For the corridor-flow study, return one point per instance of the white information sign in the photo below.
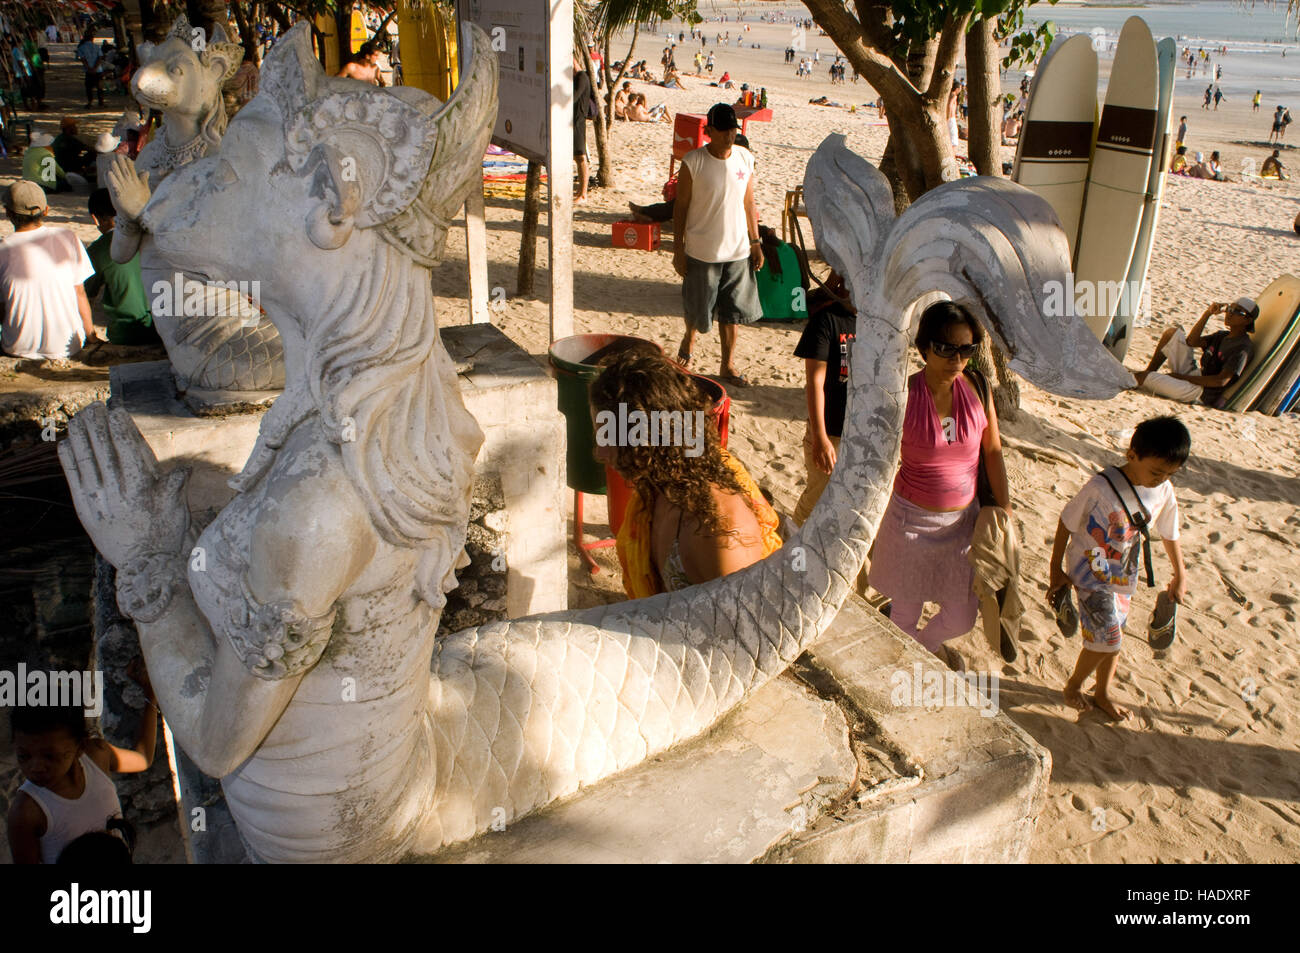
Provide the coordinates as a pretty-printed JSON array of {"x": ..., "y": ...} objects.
[{"x": 520, "y": 37}]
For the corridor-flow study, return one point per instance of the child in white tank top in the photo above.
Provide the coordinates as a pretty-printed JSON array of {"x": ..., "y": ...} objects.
[{"x": 67, "y": 791}]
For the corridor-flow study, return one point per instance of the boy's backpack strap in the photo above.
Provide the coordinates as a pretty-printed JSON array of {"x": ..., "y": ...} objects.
[{"x": 1128, "y": 497}]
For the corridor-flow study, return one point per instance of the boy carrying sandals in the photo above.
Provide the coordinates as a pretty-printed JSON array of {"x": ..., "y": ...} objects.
[{"x": 1104, "y": 527}]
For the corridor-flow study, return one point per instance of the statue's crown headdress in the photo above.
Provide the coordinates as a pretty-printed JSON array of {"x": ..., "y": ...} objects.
[
  {"x": 414, "y": 157},
  {"x": 231, "y": 54}
]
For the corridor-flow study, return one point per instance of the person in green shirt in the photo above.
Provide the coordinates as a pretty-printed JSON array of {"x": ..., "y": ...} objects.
[
  {"x": 125, "y": 304},
  {"x": 40, "y": 166}
]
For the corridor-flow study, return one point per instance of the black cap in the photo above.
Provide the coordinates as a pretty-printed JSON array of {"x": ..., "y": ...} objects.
[{"x": 722, "y": 117}]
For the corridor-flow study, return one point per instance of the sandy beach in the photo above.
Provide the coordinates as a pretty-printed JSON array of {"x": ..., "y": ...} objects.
[{"x": 1208, "y": 769}]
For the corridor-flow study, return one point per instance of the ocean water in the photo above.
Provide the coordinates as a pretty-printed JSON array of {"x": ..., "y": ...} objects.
[
  {"x": 1256, "y": 38},
  {"x": 1210, "y": 23}
]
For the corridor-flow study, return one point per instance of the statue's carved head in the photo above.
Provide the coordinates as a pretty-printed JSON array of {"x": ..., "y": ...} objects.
[
  {"x": 316, "y": 163},
  {"x": 336, "y": 197},
  {"x": 184, "y": 74}
]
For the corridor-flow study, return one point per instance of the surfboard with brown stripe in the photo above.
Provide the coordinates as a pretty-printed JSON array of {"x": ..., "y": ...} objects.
[
  {"x": 1120, "y": 334},
  {"x": 1055, "y": 145},
  {"x": 1118, "y": 177}
]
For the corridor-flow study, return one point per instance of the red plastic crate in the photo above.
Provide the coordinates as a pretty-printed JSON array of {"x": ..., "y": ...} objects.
[
  {"x": 643, "y": 235},
  {"x": 688, "y": 133}
]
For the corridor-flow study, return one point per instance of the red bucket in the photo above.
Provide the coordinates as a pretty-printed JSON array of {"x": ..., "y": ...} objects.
[{"x": 617, "y": 490}]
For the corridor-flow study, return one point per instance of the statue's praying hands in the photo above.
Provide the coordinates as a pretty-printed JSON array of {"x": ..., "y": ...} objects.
[
  {"x": 129, "y": 188},
  {"x": 128, "y": 505}
]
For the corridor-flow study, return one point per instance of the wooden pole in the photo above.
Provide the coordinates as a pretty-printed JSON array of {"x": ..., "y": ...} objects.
[
  {"x": 559, "y": 161},
  {"x": 476, "y": 251},
  {"x": 528, "y": 240}
]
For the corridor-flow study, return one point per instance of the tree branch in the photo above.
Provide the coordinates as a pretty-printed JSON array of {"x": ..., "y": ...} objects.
[
  {"x": 871, "y": 62},
  {"x": 945, "y": 59}
]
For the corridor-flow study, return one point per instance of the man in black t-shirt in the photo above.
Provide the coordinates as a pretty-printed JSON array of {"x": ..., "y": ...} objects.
[
  {"x": 1224, "y": 356},
  {"x": 825, "y": 346},
  {"x": 582, "y": 95}
]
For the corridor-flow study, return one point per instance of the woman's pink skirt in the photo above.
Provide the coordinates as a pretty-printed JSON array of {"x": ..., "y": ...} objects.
[{"x": 920, "y": 556}]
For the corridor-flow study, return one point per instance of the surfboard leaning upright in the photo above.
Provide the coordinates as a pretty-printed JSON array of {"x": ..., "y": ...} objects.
[
  {"x": 1056, "y": 141},
  {"x": 1117, "y": 179},
  {"x": 1120, "y": 334}
]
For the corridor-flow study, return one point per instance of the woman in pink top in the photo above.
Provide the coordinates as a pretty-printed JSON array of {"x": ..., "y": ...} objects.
[{"x": 920, "y": 549}]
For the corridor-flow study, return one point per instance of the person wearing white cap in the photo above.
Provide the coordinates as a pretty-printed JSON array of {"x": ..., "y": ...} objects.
[
  {"x": 1224, "y": 355},
  {"x": 44, "y": 311},
  {"x": 40, "y": 166}
]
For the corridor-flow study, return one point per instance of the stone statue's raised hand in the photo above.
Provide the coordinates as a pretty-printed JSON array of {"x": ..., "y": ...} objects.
[
  {"x": 129, "y": 188},
  {"x": 127, "y": 504}
]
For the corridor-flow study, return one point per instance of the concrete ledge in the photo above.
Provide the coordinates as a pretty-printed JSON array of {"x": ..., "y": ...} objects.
[
  {"x": 983, "y": 780},
  {"x": 828, "y": 771},
  {"x": 514, "y": 401}
]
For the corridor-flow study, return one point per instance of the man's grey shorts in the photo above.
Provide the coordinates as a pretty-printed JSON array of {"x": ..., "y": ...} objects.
[{"x": 728, "y": 286}]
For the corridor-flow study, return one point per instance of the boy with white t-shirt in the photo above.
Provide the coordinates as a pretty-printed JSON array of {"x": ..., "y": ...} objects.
[
  {"x": 1102, "y": 560},
  {"x": 44, "y": 311}
]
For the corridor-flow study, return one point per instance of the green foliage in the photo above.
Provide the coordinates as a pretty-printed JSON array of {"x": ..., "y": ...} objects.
[
  {"x": 919, "y": 20},
  {"x": 612, "y": 16},
  {"x": 1028, "y": 45}
]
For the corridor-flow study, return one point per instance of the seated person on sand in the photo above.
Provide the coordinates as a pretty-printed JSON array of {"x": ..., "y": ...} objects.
[
  {"x": 672, "y": 79},
  {"x": 1011, "y": 127},
  {"x": 620, "y": 100},
  {"x": 1207, "y": 169},
  {"x": 1224, "y": 355},
  {"x": 1272, "y": 168},
  {"x": 40, "y": 166},
  {"x": 1178, "y": 165},
  {"x": 725, "y": 81},
  {"x": 44, "y": 311},
  {"x": 70, "y": 152},
  {"x": 638, "y": 112},
  {"x": 130, "y": 321},
  {"x": 694, "y": 513}
]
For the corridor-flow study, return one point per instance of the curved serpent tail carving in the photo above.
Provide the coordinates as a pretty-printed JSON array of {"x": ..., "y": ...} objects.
[
  {"x": 527, "y": 711},
  {"x": 296, "y": 664}
]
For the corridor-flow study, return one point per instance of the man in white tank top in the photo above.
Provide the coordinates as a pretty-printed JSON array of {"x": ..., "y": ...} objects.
[{"x": 716, "y": 244}]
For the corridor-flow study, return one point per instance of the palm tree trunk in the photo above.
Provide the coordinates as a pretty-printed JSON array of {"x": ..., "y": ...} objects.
[
  {"x": 605, "y": 166},
  {"x": 247, "y": 35},
  {"x": 613, "y": 83},
  {"x": 982, "y": 79}
]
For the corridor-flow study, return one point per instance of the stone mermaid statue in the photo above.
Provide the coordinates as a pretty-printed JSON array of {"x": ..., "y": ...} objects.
[
  {"x": 218, "y": 340},
  {"x": 297, "y": 660}
]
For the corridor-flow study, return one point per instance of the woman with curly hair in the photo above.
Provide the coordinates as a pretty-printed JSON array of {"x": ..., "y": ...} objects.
[{"x": 695, "y": 514}]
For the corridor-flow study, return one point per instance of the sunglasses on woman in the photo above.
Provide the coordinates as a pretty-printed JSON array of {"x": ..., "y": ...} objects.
[{"x": 945, "y": 350}]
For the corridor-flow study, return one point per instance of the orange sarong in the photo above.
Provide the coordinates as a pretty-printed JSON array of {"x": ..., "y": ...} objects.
[{"x": 640, "y": 579}]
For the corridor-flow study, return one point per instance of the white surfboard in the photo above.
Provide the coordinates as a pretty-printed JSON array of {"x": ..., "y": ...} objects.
[
  {"x": 1117, "y": 179},
  {"x": 1120, "y": 334},
  {"x": 1055, "y": 145}
]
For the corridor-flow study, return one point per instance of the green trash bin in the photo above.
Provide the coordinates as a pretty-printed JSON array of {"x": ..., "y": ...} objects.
[{"x": 573, "y": 376}]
